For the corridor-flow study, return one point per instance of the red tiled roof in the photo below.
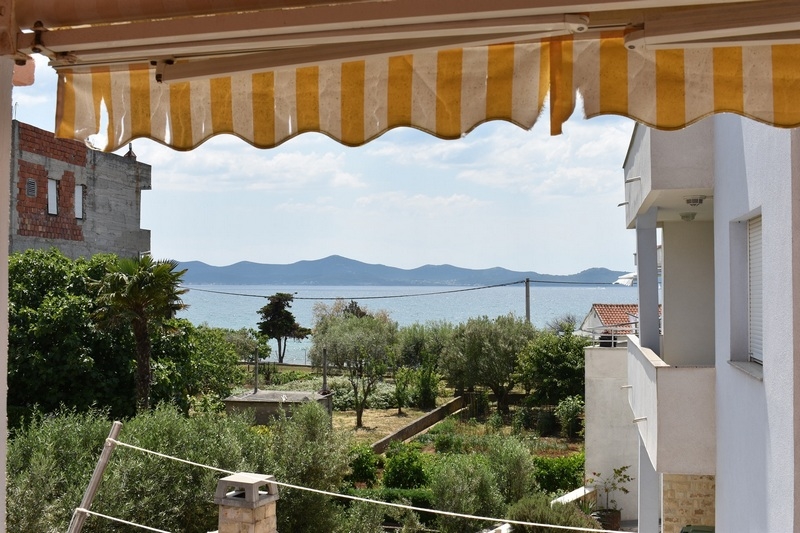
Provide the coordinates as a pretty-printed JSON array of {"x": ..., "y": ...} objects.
[{"x": 616, "y": 314}]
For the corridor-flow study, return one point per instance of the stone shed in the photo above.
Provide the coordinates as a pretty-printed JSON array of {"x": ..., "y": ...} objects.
[{"x": 267, "y": 404}]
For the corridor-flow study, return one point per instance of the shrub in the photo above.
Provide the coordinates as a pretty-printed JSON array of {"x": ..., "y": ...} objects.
[
  {"x": 558, "y": 475},
  {"x": 446, "y": 439},
  {"x": 421, "y": 497},
  {"x": 50, "y": 462},
  {"x": 464, "y": 484},
  {"x": 404, "y": 467},
  {"x": 494, "y": 422},
  {"x": 363, "y": 465},
  {"x": 568, "y": 412},
  {"x": 536, "y": 508},
  {"x": 513, "y": 467}
]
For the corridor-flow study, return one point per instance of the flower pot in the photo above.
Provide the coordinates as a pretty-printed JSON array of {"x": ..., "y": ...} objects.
[{"x": 608, "y": 518}]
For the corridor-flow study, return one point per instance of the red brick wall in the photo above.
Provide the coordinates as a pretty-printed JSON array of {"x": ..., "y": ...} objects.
[
  {"x": 34, "y": 221},
  {"x": 41, "y": 142}
]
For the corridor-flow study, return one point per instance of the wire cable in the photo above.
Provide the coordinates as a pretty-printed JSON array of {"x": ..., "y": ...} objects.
[
  {"x": 410, "y": 295},
  {"x": 134, "y": 524}
]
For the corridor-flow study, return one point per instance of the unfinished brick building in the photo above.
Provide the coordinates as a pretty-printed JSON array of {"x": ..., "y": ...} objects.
[{"x": 67, "y": 196}]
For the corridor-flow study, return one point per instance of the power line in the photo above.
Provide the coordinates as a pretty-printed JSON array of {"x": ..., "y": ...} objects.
[{"x": 411, "y": 295}]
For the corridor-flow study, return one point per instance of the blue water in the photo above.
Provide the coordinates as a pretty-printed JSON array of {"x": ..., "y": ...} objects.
[{"x": 406, "y": 305}]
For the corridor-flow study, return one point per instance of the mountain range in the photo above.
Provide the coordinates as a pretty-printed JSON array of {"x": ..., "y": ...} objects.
[{"x": 337, "y": 270}]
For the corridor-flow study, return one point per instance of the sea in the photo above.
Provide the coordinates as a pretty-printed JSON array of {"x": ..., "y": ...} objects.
[{"x": 236, "y": 306}]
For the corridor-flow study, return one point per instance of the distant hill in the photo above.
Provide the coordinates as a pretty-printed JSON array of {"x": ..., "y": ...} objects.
[{"x": 337, "y": 270}]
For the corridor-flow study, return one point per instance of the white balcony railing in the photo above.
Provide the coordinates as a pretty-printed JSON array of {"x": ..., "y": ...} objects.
[{"x": 674, "y": 409}]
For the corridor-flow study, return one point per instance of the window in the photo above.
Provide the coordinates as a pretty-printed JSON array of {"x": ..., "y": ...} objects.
[
  {"x": 30, "y": 188},
  {"x": 79, "y": 201},
  {"x": 754, "y": 290},
  {"x": 52, "y": 197}
]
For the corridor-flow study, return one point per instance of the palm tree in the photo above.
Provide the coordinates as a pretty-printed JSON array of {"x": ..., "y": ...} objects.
[{"x": 143, "y": 293}]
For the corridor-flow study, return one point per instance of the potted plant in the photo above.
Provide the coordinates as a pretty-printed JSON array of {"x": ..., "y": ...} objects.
[{"x": 607, "y": 512}]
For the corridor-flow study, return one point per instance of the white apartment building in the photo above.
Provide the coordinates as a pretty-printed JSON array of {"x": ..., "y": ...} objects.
[{"x": 713, "y": 391}]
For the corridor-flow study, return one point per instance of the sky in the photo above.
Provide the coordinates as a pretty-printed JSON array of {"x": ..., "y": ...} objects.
[{"x": 500, "y": 196}]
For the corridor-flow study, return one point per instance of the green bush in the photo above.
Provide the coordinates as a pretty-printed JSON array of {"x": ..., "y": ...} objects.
[
  {"x": 51, "y": 459},
  {"x": 446, "y": 438},
  {"x": 558, "y": 475},
  {"x": 536, "y": 508},
  {"x": 421, "y": 497},
  {"x": 464, "y": 484},
  {"x": 513, "y": 467},
  {"x": 404, "y": 468},
  {"x": 363, "y": 465},
  {"x": 569, "y": 412}
]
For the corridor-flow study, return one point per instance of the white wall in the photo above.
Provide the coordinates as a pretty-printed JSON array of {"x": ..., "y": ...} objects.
[
  {"x": 688, "y": 289},
  {"x": 755, "y": 425},
  {"x": 610, "y": 434}
]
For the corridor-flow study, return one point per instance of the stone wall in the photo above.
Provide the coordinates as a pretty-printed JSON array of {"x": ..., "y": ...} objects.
[
  {"x": 688, "y": 500},
  {"x": 107, "y": 185}
]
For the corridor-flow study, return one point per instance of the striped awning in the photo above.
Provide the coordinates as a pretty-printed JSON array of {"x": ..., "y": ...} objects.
[{"x": 445, "y": 93}]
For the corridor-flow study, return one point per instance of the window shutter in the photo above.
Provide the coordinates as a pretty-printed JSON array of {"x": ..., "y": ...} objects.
[
  {"x": 52, "y": 197},
  {"x": 755, "y": 277},
  {"x": 79, "y": 201}
]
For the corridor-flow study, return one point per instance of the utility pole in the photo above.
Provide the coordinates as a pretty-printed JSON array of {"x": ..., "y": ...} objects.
[{"x": 528, "y": 300}]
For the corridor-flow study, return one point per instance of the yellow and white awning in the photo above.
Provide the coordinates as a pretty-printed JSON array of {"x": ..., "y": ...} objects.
[
  {"x": 267, "y": 70},
  {"x": 445, "y": 93}
]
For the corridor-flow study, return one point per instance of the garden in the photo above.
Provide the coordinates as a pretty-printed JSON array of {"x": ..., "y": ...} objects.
[{"x": 514, "y": 446}]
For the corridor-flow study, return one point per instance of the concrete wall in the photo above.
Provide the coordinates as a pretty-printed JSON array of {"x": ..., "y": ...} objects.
[
  {"x": 680, "y": 162},
  {"x": 688, "y": 289},
  {"x": 610, "y": 435},
  {"x": 755, "y": 415},
  {"x": 112, "y": 186}
]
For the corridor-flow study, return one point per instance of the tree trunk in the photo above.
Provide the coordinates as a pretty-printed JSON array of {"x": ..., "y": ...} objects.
[
  {"x": 281, "y": 350},
  {"x": 143, "y": 373},
  {"x": 359, "y": 406}
]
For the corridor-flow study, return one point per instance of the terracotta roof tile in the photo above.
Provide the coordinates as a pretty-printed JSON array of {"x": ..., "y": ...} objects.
[{"x": 618, "y": 314}]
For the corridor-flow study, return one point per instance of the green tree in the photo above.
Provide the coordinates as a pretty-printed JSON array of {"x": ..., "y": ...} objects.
[
  {"x": 55, "y": 354},
  {"x": 278, "y": 323},
  {"x": 191, "y": 363},
  {"x": 142, "y": 293},
  {"x": 484, "y": 352},
  {"x": 246, "y": 341},
  {"x": 552, "y": 367},
  {"x": 359, "y": 344}
]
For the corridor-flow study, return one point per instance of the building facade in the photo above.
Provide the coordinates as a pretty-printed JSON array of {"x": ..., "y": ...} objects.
[
  {"x": 67, "y": 196},
  {"x": 713, "y": 390}
]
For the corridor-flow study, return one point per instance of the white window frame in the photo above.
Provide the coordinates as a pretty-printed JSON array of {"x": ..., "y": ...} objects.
[{"x": 52, "y": 196}]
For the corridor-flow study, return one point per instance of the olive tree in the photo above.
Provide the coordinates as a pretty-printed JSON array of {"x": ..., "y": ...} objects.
[
  {"x": 359, "y": 344},
  {"x": 484, "y": 352}
]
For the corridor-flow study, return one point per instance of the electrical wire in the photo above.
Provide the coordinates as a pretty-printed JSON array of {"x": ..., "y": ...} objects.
[{"x": 410, "y": 295}]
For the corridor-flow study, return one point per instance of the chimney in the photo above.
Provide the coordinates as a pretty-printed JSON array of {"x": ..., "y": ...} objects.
[{"x": 243, "y": 507}]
